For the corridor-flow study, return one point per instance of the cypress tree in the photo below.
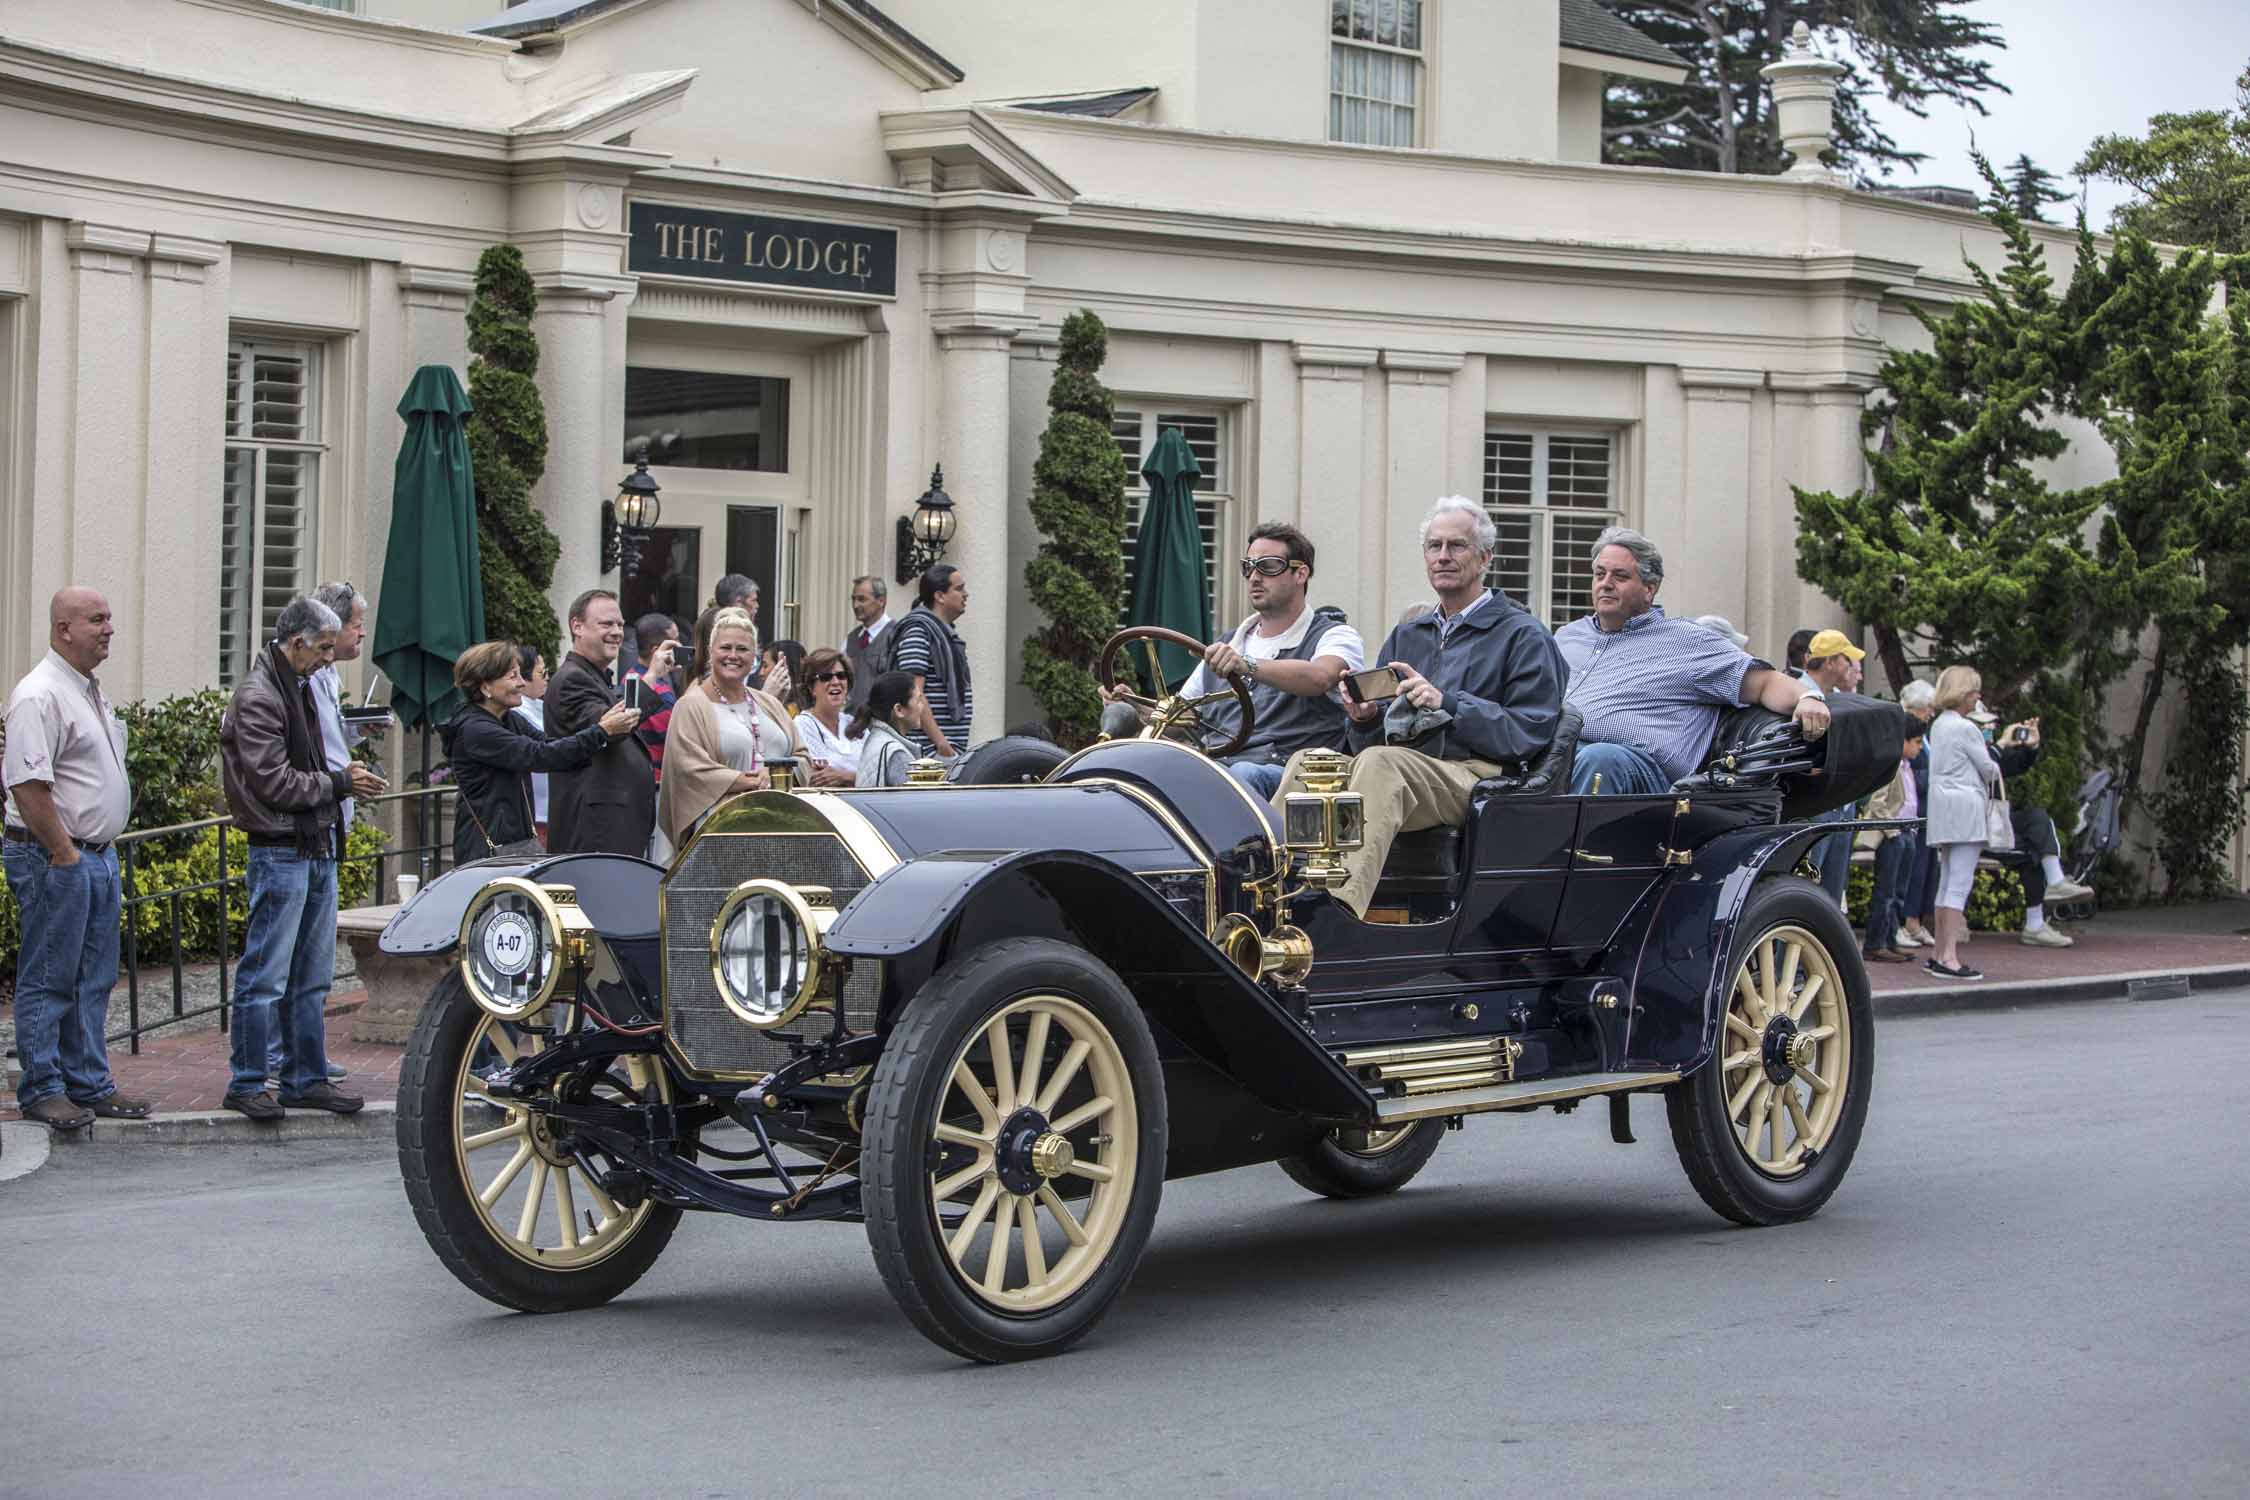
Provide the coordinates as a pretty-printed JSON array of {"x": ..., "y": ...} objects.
[
  {"x": 507, "y": 436},
  {"x": 1078, "y": 503}
]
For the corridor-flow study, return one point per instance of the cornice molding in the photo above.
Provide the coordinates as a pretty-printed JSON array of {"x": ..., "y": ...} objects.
[
  {"x": 968, "y": 138},
  {"x": 1422, "y": 360},
  {"x": 1335, "y": 356},
  {"x": 105, "y": 239},
  {"x": 720, "y": 306}
]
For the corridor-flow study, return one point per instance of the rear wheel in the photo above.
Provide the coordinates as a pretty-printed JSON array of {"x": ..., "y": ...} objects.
[
  {"x": 509, "y": 1205},
  {"x": 1009, "y": 761},
  {"x": 1014, "y": 1150},
  {"x": 1767, "y": 1128},
  {"x": 1356, "y": 1163}
]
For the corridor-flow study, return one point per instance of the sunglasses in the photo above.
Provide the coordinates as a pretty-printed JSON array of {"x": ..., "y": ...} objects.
[
  {"x": 1267, "y": 567},
  {"x": 836, "y": 676}
]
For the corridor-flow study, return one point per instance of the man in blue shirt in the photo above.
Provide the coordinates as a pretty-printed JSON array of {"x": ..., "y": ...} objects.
[
  {"x": 1480, "y": 691},
  {"x": 1651, "y": 688}
]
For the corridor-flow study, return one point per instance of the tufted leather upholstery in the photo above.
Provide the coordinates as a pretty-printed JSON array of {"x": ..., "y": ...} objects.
[{"x": 1431, "y": 857}]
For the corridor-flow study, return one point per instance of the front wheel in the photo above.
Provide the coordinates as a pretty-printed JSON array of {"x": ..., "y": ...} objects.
[
  {"x": 1014, "y": 1150},
  {"x": 1355, "y": 1163},
  {"x": 1767, "y": 1128},
  {"x": 507, "y": 1201}
]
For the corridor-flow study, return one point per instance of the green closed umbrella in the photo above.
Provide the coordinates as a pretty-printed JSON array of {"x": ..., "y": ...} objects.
[
  {"x": 1168, "y": 564},
  {"x": 431, "y": 605}
]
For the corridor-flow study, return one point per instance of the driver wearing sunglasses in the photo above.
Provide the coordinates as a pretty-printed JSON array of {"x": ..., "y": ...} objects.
[{"x": 1293, "y": 654}]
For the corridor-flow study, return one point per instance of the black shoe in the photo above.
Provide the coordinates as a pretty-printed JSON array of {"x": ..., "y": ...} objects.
[
  {"x": 259, "y": 1106},
  {"x": 324, "y": 1095},
  {"x": 57, "y": 1113},
  {"x": 1958, "y": 971}
]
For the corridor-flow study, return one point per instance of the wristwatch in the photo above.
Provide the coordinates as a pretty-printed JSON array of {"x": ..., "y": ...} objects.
[{"x": 1250, "y": 667}]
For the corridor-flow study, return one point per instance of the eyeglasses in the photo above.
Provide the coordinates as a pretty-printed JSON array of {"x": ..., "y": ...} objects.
[
  {"x": 1268, "y": 567},
  {"x": 839, "y": 675}
]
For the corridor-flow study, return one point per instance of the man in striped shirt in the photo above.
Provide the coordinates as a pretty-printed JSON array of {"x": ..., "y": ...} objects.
[{"x": 928, "y": 647}]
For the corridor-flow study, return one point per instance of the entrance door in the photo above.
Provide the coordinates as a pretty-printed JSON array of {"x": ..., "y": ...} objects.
[
  {"x": 754, "y": 550},
  {"x": 668, "y": 579}
]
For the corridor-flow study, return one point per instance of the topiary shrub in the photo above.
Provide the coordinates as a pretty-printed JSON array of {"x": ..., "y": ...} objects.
[
  {"x": 507, "y": 436},
  {"x": 1078, "y": 501}
]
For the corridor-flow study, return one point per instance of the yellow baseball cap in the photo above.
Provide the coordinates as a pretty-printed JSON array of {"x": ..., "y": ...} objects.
[{"x": 1832, "y": 643}]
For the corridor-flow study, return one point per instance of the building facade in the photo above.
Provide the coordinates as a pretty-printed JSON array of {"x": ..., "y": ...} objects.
[{"x": 795, "y": 254}]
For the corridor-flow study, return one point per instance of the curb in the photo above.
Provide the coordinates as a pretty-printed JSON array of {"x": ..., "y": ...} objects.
[
  {"x": 1920, "y": 1001},
  {"x": 23, "y": 1149},
  {"x": 223, "y": 1127}
]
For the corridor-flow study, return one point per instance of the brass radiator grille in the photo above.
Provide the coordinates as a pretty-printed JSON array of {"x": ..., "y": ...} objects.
[{"x": 709, "y": 1037}]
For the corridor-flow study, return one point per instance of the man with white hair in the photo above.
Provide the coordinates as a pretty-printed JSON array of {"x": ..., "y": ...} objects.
[
  {"x": 1651, "y": 688},
  {"x": 288, "y": 804},
  {"x": 1480, "y": 692}
]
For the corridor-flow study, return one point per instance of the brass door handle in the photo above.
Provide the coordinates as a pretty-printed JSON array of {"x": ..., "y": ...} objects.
[{"x": 1592, "y": 858}]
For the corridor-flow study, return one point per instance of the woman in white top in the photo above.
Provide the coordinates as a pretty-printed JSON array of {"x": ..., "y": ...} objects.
[
  {"x": 722, "y": 735},
  {"x": 1963, "y": 777},
  {"x": 826, "y": 684},
  {"x": 534, "y": 711},
  {"x": 894, "y": 707}
]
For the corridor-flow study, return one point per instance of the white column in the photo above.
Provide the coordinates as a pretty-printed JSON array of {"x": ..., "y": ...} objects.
[
  {"x": 1816, "y": 447},
  {"x": 1336, "y": 507},
  {"x": 973, "y": 447},
  {"x": 186, "y": 423},
  {"x": 1705, "y": 561},
  {"x": 583, "y": 467},
  {"x": 437, "y": 313},
  {"x": 1418, "y": 436},
  {"x": 104, "y": 460}
]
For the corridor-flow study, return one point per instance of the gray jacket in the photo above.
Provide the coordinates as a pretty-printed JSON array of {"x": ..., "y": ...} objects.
[{"x": 1501, "y": 674}]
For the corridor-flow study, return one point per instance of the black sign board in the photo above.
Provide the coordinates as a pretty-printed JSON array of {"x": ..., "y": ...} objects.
[{"x": 673, "y": 241}]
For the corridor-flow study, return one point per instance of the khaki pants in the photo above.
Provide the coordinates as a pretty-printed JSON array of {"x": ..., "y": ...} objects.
[{"x": 1400, "y": 790}]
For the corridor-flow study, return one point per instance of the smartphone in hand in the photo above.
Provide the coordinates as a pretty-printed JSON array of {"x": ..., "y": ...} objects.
[
  {"x": 1375, "y": 685},
  {"x": 635, "y": 694}
]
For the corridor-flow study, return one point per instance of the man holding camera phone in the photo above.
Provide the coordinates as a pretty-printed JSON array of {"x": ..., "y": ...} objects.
[
  {"x": 610, "y": 807},
  {"x": 1479, "y": 691}
]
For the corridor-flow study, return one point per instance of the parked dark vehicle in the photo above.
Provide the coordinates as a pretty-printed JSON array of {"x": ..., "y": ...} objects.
[{"x": 990, "y": 1022}]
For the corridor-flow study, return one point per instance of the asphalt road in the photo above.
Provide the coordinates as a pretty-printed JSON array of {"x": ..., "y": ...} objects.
[{"x": 2031, "y": 1283}]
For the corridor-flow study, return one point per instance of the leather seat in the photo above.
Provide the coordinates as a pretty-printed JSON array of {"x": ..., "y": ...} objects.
[{"x": 1428, "y": 859}]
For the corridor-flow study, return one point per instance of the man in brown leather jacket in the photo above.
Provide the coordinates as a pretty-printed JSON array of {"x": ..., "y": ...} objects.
[{"x": 287, "y": 803}]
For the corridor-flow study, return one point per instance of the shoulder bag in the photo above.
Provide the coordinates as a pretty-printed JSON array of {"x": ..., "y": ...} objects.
[
  {"x": 529, "y": 848},
  {"x": 1999, "y": 824}
]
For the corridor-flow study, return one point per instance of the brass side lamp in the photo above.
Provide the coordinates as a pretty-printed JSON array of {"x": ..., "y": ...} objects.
[{"x": 1324, "y": 821}]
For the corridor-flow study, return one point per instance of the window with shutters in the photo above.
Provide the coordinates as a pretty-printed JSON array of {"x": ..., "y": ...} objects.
[
  {"x": 1206, "y": 434},
  {"x": 1375, "y": 61},
  {"x": 1550, "y": 494},
  {"x": 271, "y": 492}
]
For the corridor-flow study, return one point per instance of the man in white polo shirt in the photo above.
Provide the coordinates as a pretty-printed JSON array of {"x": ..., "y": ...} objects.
[{"x": 68, "y": 800}]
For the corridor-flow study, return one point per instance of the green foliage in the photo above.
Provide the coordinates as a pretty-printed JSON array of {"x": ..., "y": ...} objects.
[
  {"x": 1078, "y": 503},
  {"x": 2199, "y": 807},
  {"x": 507, "y": 436},
  {"x": 2031, "y": 188},
  {"x": 1995, "y": 899},
  {"x": 1722, "y": 117},
  {"x": 2192, "y": 172},
  {"x": 172, "y": 760}
]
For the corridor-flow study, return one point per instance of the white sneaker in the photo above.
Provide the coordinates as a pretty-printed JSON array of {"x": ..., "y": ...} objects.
[
  {"x": 2044, "y": 937},
  {"x": 1907, "y": 939},
  {"x": 2068, "y": 890}
]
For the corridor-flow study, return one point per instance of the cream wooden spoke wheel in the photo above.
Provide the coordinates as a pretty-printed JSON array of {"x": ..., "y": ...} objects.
[
  {"x": 1013, "y": 1155},
  {"x": 1035, "y": 1154},
  {"x": 510, "y": 1202},
  {"x": 533, "y": 1190},
  {"x": 1787, "y": 1054},
  {"x": 1767, "y": 1127}
]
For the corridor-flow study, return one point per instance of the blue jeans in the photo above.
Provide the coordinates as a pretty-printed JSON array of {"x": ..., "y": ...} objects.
[
  {"x": 1625, "y": 772},
  {"x": 1832, "y": 856},
  {"x": 1895, "y": 859},
  {"x": 288, "y": 962},
  {"x": 64, "y": 972},
  {"x": 1262, "y": 779}
]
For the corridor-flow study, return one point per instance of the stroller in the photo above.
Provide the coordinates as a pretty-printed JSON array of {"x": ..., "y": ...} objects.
[{"x": 2093, "y": 835}]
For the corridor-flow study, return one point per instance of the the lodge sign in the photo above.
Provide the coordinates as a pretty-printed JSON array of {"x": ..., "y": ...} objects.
[{"x": 668, "y": 240}]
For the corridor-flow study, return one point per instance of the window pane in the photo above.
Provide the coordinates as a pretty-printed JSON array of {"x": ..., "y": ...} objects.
[
  {"x": 1363, "y": 19},
  {"x": 1410, "y": 24},
  {"x": 237, "y": 507},
  {"x": 1571, "y": 578},
  {"x": 697, "y": 419},
  {"x": 280, "y": 395},
  {"x": 1125, "y": 426},
  {"x": 1386, "y": 22},
  {"x": 1507, "y": 468},
  {"x": 1340, "y": 17},
  {"x": 1578, "y": 472},
  {"x": 285, "y": 539},
  {"x": 1205, "y": 435},
  {"x": 1202, "y": 434},
  {"x": 1513, "y": 564}
]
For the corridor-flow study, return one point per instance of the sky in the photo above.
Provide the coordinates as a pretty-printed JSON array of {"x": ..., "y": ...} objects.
[{"x": 2078, "y": 69}]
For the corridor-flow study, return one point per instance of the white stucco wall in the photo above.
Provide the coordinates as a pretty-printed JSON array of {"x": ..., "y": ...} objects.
[{"x": 1578, "y": 111}]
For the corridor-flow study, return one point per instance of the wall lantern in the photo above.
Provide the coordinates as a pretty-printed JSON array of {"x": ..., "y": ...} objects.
[
  {"x": 922, "y": 537},
  {"x": 627, "y": 520}
]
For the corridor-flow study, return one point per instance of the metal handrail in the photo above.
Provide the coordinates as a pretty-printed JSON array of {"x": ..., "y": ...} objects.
[{"x": 431, "y": 855}]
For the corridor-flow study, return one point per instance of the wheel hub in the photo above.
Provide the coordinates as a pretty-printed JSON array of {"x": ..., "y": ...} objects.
[
  {"x": 1782, "y": 1050},
  {"x": 1027, "y": 1153}
]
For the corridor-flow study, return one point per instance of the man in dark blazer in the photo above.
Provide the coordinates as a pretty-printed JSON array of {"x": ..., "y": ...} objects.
[{"x": 610, "y": 807}]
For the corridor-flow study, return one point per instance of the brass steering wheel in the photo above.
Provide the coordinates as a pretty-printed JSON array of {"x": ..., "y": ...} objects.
[{"x": 1172, "y": 712}]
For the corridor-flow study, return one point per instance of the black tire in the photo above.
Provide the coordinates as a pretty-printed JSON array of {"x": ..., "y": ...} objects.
[
  {"x": 1010, "y": 761},
  {"x": 912, "y": 1084},
  {"x": 1717, "y": 1160},
  {"x": 458, "y": 1230},
  {"x": 1335, "y": 1169}
]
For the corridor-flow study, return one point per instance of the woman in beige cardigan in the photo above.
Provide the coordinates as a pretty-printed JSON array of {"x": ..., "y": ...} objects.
[{"x": 722, "y": 733}]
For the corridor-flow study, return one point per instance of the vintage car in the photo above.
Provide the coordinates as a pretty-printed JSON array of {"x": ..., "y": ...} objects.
[{"x": 990, "y": 1021}]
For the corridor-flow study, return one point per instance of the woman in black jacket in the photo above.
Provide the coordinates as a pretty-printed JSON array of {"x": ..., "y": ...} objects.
[{"x": 492, "y": 749}]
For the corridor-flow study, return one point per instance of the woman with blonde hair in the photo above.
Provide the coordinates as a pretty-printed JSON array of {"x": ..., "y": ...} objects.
[
  {"x": 723, "y": 734},
  {"x": 1963, "y": 776}
]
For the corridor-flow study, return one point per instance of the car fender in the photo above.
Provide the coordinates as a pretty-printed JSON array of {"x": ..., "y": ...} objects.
[
  {"x": 1683, "y": 942},
  {"x": 922, "y": 913},
  {"x": 617, "y": 891}
]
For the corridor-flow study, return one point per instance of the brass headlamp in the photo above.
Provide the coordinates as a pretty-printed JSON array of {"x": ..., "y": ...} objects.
[{"x": 1323, "y": 821}]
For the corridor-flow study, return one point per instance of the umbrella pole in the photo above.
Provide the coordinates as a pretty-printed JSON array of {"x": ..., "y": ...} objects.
[{"x": 422, "y": 809}]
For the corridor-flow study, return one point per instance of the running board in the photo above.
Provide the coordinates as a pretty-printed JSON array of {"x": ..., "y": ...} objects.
[{"x": 1514, "y": 1095}]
